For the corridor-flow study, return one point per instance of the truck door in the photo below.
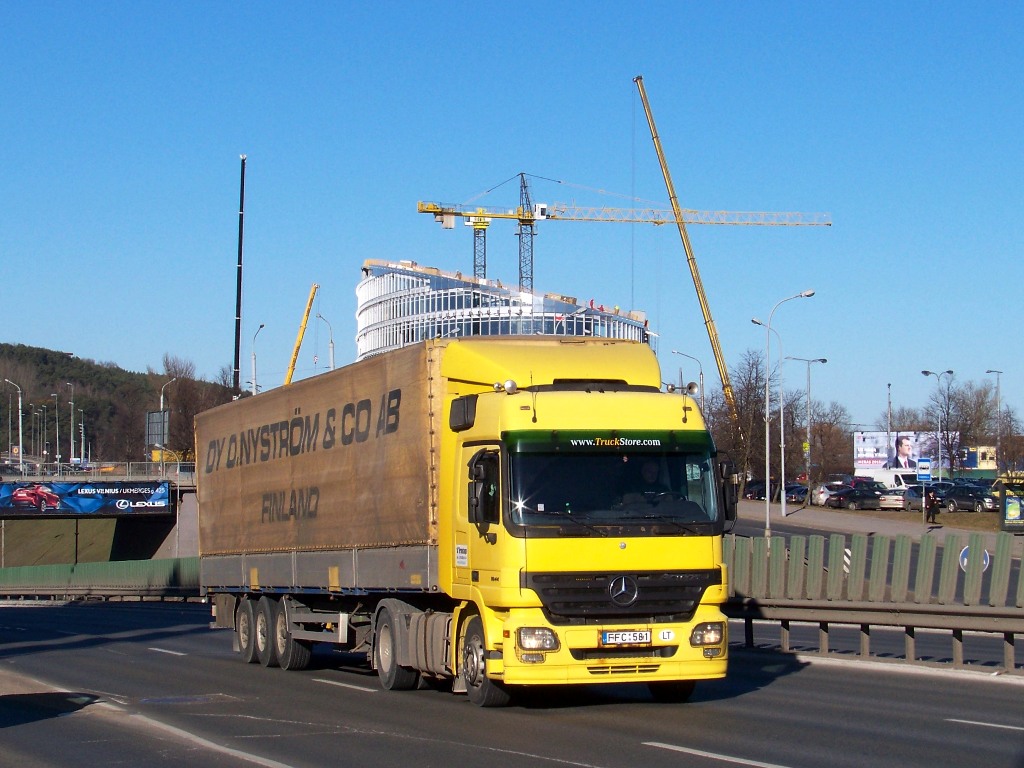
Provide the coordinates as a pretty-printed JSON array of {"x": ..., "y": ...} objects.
[{"x": 479, "y": 534}]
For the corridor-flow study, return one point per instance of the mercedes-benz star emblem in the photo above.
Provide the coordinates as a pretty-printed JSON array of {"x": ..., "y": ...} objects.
[{"x": 623, "y": 591}]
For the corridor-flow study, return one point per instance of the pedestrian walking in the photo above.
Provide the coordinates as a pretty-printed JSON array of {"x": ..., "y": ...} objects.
[{"x": 931, "y": 506}]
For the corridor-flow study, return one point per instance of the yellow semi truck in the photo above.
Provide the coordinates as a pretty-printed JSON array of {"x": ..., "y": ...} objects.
[{"x": 486, "y": 512}]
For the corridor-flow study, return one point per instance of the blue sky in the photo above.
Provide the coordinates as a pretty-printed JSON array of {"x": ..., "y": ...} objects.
[{"x": 123, "y": 123}]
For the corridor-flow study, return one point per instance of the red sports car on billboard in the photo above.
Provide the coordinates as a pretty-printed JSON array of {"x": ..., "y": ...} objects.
[{"x": 38, "y": 496}]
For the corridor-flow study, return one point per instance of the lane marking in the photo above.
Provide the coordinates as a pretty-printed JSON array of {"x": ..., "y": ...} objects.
[
  {"x": 712, "y": 755},
  {"x": 985, "y": 725},
  {"x": 172, "y": 653},
  {"x": 345, "y": 685},
  {"x": 206, "y": 743}
]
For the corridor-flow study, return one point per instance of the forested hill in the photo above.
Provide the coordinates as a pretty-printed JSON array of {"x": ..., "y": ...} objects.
[{"x": 110, "y": 401}]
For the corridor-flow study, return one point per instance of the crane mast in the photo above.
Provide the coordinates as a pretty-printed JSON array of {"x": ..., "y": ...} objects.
[{"x": 709, "y": 322}]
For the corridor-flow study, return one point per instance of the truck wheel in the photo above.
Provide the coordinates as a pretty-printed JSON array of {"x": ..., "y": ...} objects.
[
  {"x": 245, "y": 628},
  {"x": 291, "y": 653},
  {"x": 473, "y": 668},
  {"x": 674, "y": 691},
  {"x": 978, "y": 506},
  {"x": 264, "y": 634},
  {"x": 393, "y": 676}
]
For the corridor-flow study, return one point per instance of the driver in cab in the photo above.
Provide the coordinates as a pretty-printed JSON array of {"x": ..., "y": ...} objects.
[{"x": 648, "y": 486}]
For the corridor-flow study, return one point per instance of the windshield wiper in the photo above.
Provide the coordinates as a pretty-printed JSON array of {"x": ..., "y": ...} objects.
[
  {"x": 568, "y": 516},
  {"x": 673, "y": 521}
]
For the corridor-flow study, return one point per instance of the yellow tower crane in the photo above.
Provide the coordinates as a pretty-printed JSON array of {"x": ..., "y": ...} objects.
[{"x": 527, "y": 213}]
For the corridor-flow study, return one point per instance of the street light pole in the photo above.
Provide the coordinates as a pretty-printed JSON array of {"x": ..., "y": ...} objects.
[
  {"x": 330, "y": 345},
  {"x": 938, "y": 380},
  {"x": 56, "y": 436},
  {"x": 999, "y": 424},
  {"x": 71, "y": 428},
  {"x": 767, "y": 408},
  {"x": 701, "y": 368},
  {"x": 807, "y": 452},
  {"x": 45, "y": 445},
  {"x": 21, "y": 445},
  {"x": 254, "y": 390},
  {"x": 81, "y": 431}
]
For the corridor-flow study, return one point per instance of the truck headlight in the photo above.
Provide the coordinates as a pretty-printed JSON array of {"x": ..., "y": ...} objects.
[
  {"x": 708, "y": 633},
  {"x": 537, "y": 639}
]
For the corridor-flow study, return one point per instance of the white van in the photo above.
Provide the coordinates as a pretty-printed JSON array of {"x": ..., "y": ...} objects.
[{"x": 890, "y": 478}]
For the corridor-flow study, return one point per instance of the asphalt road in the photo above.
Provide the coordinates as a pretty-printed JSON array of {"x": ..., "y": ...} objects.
[{"x": 151, "y": 684}]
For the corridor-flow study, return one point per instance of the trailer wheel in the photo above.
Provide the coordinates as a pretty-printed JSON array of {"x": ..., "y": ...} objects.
[
  {"x": 393, "y": 677},
  {"x": 482, "y": 691},
  {"x": 291, "y": 653},
  {"x": 674, "y": 691},
  {"x": 264, "y": 634},
  {"x": 246, "y": 630}
]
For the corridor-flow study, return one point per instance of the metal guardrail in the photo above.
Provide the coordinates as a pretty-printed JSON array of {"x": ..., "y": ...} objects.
[
  {"x": 860, "y": 580},
  {"x": 875, "y": 581},
  {"x": 174, "y": 578},
  {"x": 181, "y": 472}
]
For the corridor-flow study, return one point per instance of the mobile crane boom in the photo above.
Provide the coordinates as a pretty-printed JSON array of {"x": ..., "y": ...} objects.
[
  {"x": 302, "y": 332},
  {"x": 709, "y": 322}
]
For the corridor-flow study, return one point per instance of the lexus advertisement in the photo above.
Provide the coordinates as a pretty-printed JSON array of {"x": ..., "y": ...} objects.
[{"x": 78, "y": 499}]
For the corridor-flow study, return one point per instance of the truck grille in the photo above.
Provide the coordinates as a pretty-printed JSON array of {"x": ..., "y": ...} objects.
[{"x": 579, "y": 598}]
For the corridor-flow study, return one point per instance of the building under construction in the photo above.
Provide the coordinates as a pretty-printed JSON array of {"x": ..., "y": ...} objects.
[{"x": 402, "y": 303}]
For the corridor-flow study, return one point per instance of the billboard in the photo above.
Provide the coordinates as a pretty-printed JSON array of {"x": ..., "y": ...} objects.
[
  {"x": 123, "y": 498},
  {"x": 892, "y": 450}
]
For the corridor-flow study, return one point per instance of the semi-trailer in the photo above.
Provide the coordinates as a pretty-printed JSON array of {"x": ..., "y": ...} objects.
[{"x": 489, "y": 513}]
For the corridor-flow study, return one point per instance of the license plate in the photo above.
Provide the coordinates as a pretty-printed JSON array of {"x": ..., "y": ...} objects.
[{"x": 626, "y": 637}]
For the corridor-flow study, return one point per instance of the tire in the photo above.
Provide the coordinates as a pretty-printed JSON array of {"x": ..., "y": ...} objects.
[
  {"x": 245, "y": 629},
  {"x": 263, "y": 637},
  {"x": 393, "y": 677},
  {"x": 674, "y": 692},
  {"x": 291, "y": 653},
  {"x": 42, "y": 505},
  {"x": 852, "y": 506},
  {"x": 482, "y": 691},
  {"x": 979, "y": 507},
  {"x": 951, "y": 506}
]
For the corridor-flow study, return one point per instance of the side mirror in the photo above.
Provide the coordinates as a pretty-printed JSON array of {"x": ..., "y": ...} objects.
[{"x": 730, "y": 484}]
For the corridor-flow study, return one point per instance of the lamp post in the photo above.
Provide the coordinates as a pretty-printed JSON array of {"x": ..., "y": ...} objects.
[
  {"x": 71, "y": 427},
  {"x": 81, "y": 431},
  {"x": 938, "y": 380},
  {"x": 767, "y": 408},
  {"x": 56, "y": 431},
  {"x": 21, "y": 446},
  {"x": 164, "y": 421},
  {"x": 45, "y": 445},
  {"x": 330, "y": 346},
  {"x": 807, "y": 451},
  {"x": 254, "y": 357},
  {"x": 999, "y": 423},
  {"x": 701, "y": 369}
]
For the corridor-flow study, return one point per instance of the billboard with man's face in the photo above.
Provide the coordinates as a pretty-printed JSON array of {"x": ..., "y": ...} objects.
[{"x": 896, "y": 450}]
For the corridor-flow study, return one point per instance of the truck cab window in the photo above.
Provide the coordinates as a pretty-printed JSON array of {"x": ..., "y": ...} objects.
[{"x": 484, "y": 491}]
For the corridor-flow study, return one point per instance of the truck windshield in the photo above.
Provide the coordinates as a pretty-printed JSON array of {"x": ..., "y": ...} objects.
[{"x": 674, "y": 491}]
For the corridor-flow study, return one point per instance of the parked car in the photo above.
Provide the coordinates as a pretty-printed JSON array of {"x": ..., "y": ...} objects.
[
  {"x": 796, "y": 493},
  {"x": 891, "y": 498},
  {"x": 912, "y": 496},
  {"x": 968, "y": 498},
  {"x": 823, "y": 491},
  {"x": 869, "y": 484},
  {"x": 853, "y": 498},
  {"x": 37, "y": 496}
]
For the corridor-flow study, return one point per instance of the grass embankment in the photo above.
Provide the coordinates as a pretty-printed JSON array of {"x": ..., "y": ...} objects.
[{"x": 989, "y": 522}]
